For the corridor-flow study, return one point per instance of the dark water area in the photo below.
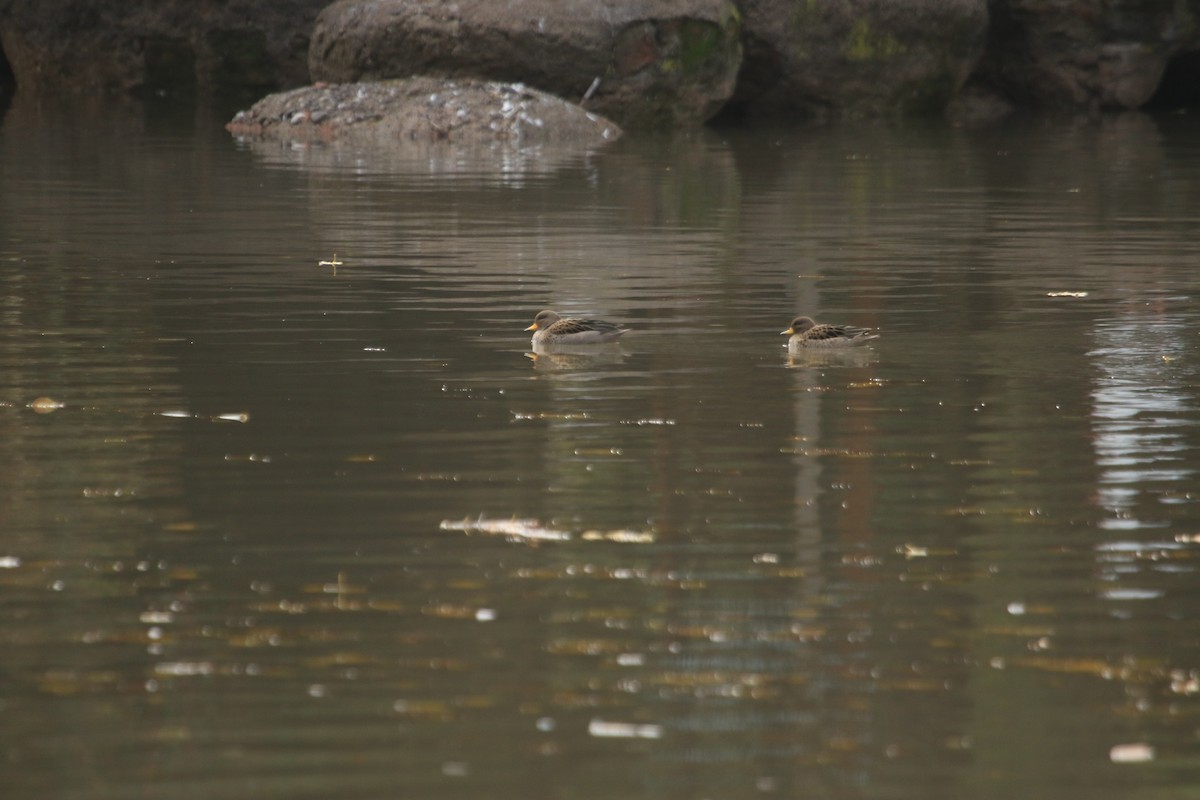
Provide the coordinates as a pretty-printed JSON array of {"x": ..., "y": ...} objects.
[{"x": 278, "y": 528}]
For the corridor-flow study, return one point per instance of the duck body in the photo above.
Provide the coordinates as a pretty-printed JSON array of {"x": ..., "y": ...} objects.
[
  {"x": 806, "y": 333},
  {"x": 550, "y": 328}
]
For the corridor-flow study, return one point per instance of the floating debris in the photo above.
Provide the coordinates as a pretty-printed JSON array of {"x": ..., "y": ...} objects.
[
  {"x": 1187, "y": 683},
  {"x": 584, "y": 647},
  {"x": 240, "y": 416},
  {"x": 183, "y": 669},
  {"x": 517, "y": 415},
  {"x": 454, "y": 611},
  {"x": 624, "y": 730},
  {"x": 1066, "y": 294},
  {"x": 424, "y": 709},
  {"x": 1131, "y": 594},
  {"x": 46, "y": 405},
  {"x": 333, "y": 262},
  {"x": 530, "y": 529},
  {"x": 534, "y": 530},
  {"x": 91, "y": 492},
  {"x": 1133, "y": 753},
  {"x": 619, "y": 536}
]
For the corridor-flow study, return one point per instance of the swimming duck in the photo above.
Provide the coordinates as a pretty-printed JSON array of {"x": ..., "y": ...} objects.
[
  {"x": 806, "y": 333},
  {"x": 550, "y": 328}
]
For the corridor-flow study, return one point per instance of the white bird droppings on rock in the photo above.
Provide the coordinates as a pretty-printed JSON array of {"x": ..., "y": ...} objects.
[{"x": 421, "y": 109}]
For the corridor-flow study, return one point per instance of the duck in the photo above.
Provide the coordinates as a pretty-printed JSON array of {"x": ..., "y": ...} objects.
[
  {"x": 551, "y": 328},
  {"x": 804, "y": 333}
]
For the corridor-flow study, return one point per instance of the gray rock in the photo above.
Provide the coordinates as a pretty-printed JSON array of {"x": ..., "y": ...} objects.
[
  {"x": 157, "y": 47},
  {"x": 977, "y": 106},
  {"x": 422, "y": 110},
  {"x": 857, "y": 58},
  {"x": 659, "y": 62},
  {"x": 1066, "y": 55}
]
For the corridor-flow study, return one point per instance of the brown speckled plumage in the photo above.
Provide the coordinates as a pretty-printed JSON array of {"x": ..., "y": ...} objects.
[
  {"x": 804, "y": 332},
  {"x": 550, "y": 328}
]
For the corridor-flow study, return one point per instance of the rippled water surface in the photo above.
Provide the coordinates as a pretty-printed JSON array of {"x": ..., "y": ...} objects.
[{"x": 278, "y": 528}]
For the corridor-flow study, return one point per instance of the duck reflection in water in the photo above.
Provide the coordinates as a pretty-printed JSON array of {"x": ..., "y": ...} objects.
[
  {"x": 556, "y": 357},
  {"x": 832, "y": 357}
]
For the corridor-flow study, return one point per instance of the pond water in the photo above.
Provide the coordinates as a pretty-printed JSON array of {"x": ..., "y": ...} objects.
[{"x": 278, "y": 528}]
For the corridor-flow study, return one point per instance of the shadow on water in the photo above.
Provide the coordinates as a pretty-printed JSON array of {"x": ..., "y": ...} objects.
[{"x": 8, "y": 84}]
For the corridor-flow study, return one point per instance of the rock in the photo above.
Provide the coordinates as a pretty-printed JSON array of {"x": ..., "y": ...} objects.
[
  {"x": 651, "y": 62},
  {"x": 857, "y": 58},
  {"x": 1065, "y": 55},
  {"x": 422, "y": 110},
  {"x": 157, "y": 47},
  {"x": 977, "y": 106},
  {"x": 659, "y": 62}
]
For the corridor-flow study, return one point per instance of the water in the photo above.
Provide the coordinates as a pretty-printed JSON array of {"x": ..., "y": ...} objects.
[{"x": 280, "y": 529}]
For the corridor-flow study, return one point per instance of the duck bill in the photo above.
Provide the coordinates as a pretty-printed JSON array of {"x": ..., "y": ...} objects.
[
  {"x": 532, "y": 327},
  {"x": 788, "y": 332}
]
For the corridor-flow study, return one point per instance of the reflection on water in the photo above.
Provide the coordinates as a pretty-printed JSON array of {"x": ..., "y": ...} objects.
[
  {"x": 809, "y": 358},
  {"x": 1142, "y": 417},
  {"x": 500, "y": 163},
  {"x": 285, "y": 530},
  {"x": 551, "y": 357}
]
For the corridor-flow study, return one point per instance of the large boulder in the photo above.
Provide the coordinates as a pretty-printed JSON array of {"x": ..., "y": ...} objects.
[
  {"x": 857, "y": 58},
  {"x": 422, "y": 110},
  {"x": 639, "y": 62},
  {"x": 157, "y": 47},
  {"x": 1068, "y": 55}
]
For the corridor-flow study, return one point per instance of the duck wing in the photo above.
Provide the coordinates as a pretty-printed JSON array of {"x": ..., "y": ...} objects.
[
  {"x": 827, "y": 332},
  {"x": 566, "y": 327}
]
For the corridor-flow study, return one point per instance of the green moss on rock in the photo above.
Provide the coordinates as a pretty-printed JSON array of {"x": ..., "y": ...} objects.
[{"x": 863, "y": 44}]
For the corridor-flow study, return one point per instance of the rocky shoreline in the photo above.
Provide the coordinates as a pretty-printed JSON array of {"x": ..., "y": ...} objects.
[{"x": 640, "y": 63}]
